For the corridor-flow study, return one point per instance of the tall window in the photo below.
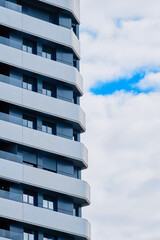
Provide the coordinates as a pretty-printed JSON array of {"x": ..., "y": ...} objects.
[
  {"x": 28, "y": 46},
  {"x": 48, "y": 127},
  {"x": 28, "y": 197},
  {"x": 28, "y": 121},
  {"x": 28, "y": 235},
  {"x": 75, "y": 211},
  {"x": 49, "y": 203}
]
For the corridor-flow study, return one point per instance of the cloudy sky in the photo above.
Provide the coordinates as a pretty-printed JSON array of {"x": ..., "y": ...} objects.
[{"x": 120, "y": 42}]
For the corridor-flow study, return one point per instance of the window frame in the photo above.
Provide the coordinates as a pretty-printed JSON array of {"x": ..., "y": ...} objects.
[
  {"x": 29, "y": 195},
  {"x": 29, "y": 46}
]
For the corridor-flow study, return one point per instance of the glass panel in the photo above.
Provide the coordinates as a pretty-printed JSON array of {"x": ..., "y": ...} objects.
[
  {"x": 24, "y": 122},
  {"x": 30, "y": 86},
  {"x": 31, "y": 236},
  {"x": 25, "y": 236},
  {"x": 24, "y": 48},
  {"x": 48, "y": 93},
  {"x": 50, "y": 205},
  {"x": 44, "y": 128},
  {"x": 30, "y": 124},
  {"x": 48, "y": 55},
  {"x": 44, "y": 54},
  {"x": 30, "y": 50},
  {"x": 25, "y": 198},
  {"x": 49, "y": 130},
  {"x": 31, "y": 199},
  {"x": 44, "y": 91},
  {"x": 25, "y": 85},
  {"x": 45, "y": 203}
]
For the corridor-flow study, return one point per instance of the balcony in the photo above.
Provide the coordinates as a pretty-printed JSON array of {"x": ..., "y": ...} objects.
[
  {"x": 71, "y": 150},
  {"x": 78, "y": 189},
  {"x": 51, "y": 32},
  {"x": 41, "y": 103},
  {"x": 12, "y": 54},
  {"x": 70, "y": 5},
  {"x": 43, "y": 218}
]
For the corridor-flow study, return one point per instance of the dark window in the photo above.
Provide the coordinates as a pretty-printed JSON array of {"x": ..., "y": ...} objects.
[
  {"x": 75, "y": 211},
  {"x": 75, "y": 136},
  {"x": 48, "y": 127},
  {"x": 75, "y": 99},
  {"x": 74, "y": 27},
  {"x": 4, "y": 185},
  {"x": 28, "y": 83},
  {"x": 29, "y": 46},
  {"x": 28, "y": 121},
  {"x": 48, "y": 52},
  {"x": 75, "y": 62},
  {"x": 49, "y": 90}
]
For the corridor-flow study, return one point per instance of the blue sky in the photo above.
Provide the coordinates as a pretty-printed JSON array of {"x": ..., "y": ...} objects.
[{"x": 122, "y": 84}]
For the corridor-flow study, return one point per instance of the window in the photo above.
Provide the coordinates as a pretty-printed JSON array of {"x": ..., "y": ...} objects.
[
  {"x": 75, "y": 62},
  {"x": 75, "y": 99},
  {"x": 49, "y": 204},
  {"x": 28, "y": 121},
  {"x": 47, "y": 52},
  {"x": 48, "y": 127},
  {"x": 28, "y": 235},
  {"x": 28, "y": 197},
  {"x": 75, "y": 211},
  {"x": 28, "y": 46},
  {"x": 75, "y": 136},
  {"x": 47, "y": 90},
  {"x": 4, "y": 185},
  {"x": 74, "y": 27},
  {"x": 28, "y": 83}
]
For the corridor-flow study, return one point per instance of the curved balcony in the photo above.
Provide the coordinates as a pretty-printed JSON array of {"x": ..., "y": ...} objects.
[
  {"x": 40, "y": 65},
  {"x": 71, "y": 150},
  {"x": 43, "y": 218},
  {"x": 44, "y": 104},
  {"x": 34, "y": 26},
  {"x": 69, "y": 5},
  {"x": 77, "y": 189}
]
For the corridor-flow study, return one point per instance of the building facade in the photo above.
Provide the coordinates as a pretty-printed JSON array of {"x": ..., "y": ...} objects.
[{"x": 41, "y": 156}]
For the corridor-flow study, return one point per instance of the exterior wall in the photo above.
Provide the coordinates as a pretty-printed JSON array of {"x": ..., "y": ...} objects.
[{"x": 41, "y": 155}]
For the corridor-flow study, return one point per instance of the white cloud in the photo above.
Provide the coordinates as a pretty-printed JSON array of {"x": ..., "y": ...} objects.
[
  {"x": 123, "y": 130},
  {"x": 150, "y": 82},
  {"x": 123, "y": 135},
  {"x": 119, "y": 51}
]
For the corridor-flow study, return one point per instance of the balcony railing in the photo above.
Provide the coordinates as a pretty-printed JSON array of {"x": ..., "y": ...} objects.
[
  {"x": 18, "y": 45},
  {"x": 11, "y": 157},
  {"x": 10, "y": 118},
  {"x": 10, "y": 235},
  {"x": 10, "y": 80},
  {"x": 11, "y": 196},
  {"x": 10, "y": 5},
  {"x": 19, "y": 8}
]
